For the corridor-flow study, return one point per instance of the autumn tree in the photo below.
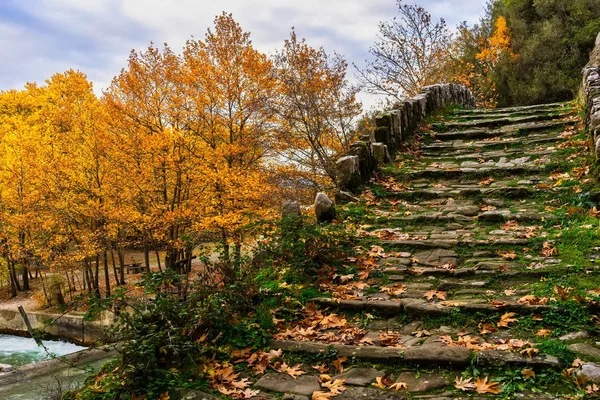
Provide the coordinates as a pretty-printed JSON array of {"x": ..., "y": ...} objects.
[
  {"x": 411, "y": 53},
  {"x": 21, "y": 190},
  {"x": 153, "y": 152},
  {"x": 316, "y": 109},
  {"x": 229, "y": 88},
  {"x": 78, "y": 177}
]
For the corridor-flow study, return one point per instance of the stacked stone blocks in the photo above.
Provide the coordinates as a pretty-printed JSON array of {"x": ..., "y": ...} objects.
[
  {"x": 392, "y": 129},
  {"x": 591, "y": 96}
]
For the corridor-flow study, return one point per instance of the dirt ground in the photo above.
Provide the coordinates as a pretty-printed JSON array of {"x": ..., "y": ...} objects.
[{"x": 33, "y": 300}]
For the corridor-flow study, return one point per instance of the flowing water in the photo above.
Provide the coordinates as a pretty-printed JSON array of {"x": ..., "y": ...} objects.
[{"x": 17, "y": 351}]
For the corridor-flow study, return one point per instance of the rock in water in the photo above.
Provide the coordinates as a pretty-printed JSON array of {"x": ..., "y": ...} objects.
[
  {"x": 290, "y": 207},
  {"x": 5, "y": 368},
  {"x": 324, "y": 208}
]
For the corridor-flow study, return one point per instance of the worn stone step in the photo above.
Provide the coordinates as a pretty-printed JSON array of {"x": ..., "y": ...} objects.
[
  {"x": 426, "y": 354},
  {"x": 483, "y": 217},
  {"x": 502, "y": 113},
  {"x": 509, "y": 170},
  {"x": 452, "y": 243},
  {"x": 512, "y": 130},
  {"x": 496, "y": 122},
  {"x": 483, "y": 156},
  {"x": 468, "y": 191},
  {"x": 507, "y": 141},
  {"x": 420, "y": 307},
  {"x": 539, "y": 107},
  {"x": 422, "y": 355}
]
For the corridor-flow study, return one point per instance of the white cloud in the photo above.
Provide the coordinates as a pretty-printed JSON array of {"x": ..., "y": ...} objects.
[{"x": 95, "y": 36}]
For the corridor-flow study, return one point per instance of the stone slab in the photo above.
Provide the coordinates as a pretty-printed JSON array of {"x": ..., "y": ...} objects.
[
  {"x": 360, "y": 376},
  {"x": 282, "y": 383}
]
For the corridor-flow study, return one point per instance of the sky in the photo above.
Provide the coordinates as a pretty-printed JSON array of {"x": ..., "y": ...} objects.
[{"x": 41, "y": 37}]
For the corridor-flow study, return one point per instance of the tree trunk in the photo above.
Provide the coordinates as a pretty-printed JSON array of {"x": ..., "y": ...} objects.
[
  {"x": 25, "y": 275},
  {"x": 146, "y": 254},
  {"x": 48, "y": 300},
  {"x": 106, "y": 274},
  {"x": 13, "y": 275},
  {"x": 114, "y": 264},
  {"x": 158, "y": 259},
  {"x": 122, "y": 263},
  {"x": 11, "y": 278},
  {"x": 225, "y": 247},
  {"x": 88, "y": 277},
  {"x": 97, "y": 275}
]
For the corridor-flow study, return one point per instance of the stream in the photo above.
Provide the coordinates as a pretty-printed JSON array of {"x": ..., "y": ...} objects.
[{"x": 17, "y": 351}]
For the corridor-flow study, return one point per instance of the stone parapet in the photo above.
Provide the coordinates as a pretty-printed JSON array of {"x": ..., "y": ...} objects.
[
  {"x": 591, "y": 96},
  {"x": 392, "y": 128}
]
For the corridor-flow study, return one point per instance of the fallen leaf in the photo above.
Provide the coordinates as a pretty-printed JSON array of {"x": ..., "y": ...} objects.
[
  {"x": 507, "y": 319},
  {"x": 528, "y": 373},
  {"x": 464, "y": 384},
  {"x": 398, "y": 386},
  {"x": 482, "y": 386},
  {"x": 338, "y": 364}
]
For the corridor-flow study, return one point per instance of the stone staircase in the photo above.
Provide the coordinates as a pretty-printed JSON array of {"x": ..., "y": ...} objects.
[{"x": 471, "y": 267}]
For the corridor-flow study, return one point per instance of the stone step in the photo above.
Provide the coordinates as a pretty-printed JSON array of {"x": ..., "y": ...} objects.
[
  {"x": 508, "y": 130},
  {"x": 506, "y": 170},
  {"x": 539, "y": 107},
  {"x": 446, "y": 217},
  {"x": 507, "y": 142},
  {"x": 496, "y": 122},
  {"x": 452, "y": 243},
  {"x": 427, "y": 354},
  {"x": 469, "y": 191},
  {"x": 502, "y": 113},
  {"x": 485, "y": 156},
  {"x": 418, "y": 308}
]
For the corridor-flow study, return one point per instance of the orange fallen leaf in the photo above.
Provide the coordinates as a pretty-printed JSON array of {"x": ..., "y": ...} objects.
[
  {"x": 528, "y": 373},
  {"x": 338, "y": 364},
  {"x": 482, "y": 386}
]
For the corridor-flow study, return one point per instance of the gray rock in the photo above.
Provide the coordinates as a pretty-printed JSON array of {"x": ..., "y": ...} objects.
[
  {"x": 438, "y": 355},
  {"x": 196, "y": 395},
  {"x": 411, "y": 327},
  {"x": 263, "y": 396},
  {"x": 324, "y": 208},
  {"x": 289, "y": 208},
  {"x": 380, "y": 151},
  {"x": 575, "y": 335},
  {"x": 424, "y": 383},
  {"x": 586, "y": 350},
  {"x": 347, "y": 172},
  {"x": 498, "y": 358},
  {"x": 362, "y": 393},
  {"x": 6, "y": 368},
  {"x": 591, "y": 372},
  {"x": 304, "y": 385},
  {"x": 292, "y": 396},
  {"x": 342, "y": 196},
  {"x": 360, "y": 376},
  {"x": 436, "y": 257}
]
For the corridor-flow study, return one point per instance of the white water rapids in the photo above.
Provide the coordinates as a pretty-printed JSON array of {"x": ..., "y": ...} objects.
[{"x": 16, "y": 351}]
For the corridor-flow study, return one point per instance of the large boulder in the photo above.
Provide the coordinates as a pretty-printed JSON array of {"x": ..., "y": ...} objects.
[
  {"x": 324, "y": 208},
  {"x": 347, "y": 173}
]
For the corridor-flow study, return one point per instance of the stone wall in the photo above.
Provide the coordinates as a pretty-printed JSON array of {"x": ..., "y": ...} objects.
[
  {"x": 71, "y": 327},
  {"x": 591, "y": 96},
  {"x": 392, "y": 128}
]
